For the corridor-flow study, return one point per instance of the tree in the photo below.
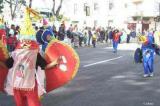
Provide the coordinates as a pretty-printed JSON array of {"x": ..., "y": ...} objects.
[
  {"x": 56, "y": 12},
  {"x": 13, "y": 4},
  {"x": 1, "y": 6},
  {"x": 30, "y": 3}
]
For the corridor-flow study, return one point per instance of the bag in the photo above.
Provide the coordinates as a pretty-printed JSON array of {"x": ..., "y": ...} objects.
[
  {"x": 39, "y": 37},
  {"x": 138, "y": 56}
]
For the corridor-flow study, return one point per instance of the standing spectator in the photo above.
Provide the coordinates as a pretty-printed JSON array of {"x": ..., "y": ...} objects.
[
  {"x": 128, "y": 35},
  {"x": 85, "y": 33},
  {"x": 106, "y": 35},
  {"x": 80, "y": 38},
  {"x": 17, "y": 32},
  {"x": 70, "y": 34},
  {"x": 11, "y": 41},
  {"x": 124, "y": 36},
  {"x": 102, "y": 35},
  {"x": 90, "y": 36},
  {"x": 55, "y": 31},
  {"x": 94, "y": 38},
  {"x": 13, "y": 28},
  {"x": 70, "y": 28},
  {"x": 110, "y": 34},
  {"x": 61, "y": 32},
  {"x": 75, "y": 36}
]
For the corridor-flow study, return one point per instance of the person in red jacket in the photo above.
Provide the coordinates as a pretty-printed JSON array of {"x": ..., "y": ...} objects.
[
  {"x": 11, "y": 41},
  {"x": 116, "y": 37}
]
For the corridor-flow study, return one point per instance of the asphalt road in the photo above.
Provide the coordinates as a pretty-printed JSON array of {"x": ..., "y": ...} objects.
[{"x": 105, "y": 79}]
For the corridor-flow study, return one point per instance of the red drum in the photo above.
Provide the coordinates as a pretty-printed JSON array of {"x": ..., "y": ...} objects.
[
  {"x": 66, "y": 68},
  {"x": 4, "y": 55}
]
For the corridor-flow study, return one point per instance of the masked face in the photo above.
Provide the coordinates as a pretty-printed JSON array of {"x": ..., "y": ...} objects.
[{"x": 27, "y": 44}]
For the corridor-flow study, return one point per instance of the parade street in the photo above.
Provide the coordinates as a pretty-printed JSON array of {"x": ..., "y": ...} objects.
[{"x": 105, "y": 79}]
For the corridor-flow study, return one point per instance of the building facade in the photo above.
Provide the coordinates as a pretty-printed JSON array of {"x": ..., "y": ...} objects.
[{"x": 133, "y": 14}]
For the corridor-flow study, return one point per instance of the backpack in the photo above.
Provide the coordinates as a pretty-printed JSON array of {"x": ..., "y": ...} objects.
[
  {"x": 138, "y": 56},
  {"x": 39, "y": 37}
]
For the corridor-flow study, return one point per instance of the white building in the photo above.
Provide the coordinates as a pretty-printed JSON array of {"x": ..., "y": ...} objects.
[
  {"x": 116, "y": 13},
  {"x": 144, "y": 13}
]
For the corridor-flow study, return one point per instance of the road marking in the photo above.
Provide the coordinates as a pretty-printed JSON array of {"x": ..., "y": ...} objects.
[{"x": 102, "y": 61}]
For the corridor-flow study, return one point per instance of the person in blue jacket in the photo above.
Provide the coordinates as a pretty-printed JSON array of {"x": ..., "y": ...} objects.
[
  {"x": 47, "y": 36},
  {"x": 148, "y": 55}
]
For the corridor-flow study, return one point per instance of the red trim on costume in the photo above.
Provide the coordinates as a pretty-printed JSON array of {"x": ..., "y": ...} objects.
[{"x": 27, "y": 43}]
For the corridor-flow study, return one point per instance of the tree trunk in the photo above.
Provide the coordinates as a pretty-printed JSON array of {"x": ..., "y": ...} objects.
[
  {"x": 12, "y": 11},
  {"x": 53, "y": 8},
  {"x": 1, "y": 6},
  {"x": 30, "y": 3},
  {"x": 54, "y": 11},
  {"x": 59, "y": 8}
]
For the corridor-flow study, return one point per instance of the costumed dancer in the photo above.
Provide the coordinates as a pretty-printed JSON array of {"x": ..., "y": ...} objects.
[
  {"x": 26, "y": 59},
  {"x": 116, "y": 38},
  {"x": 47, "y": 35},
  {"x": 24, "y": 62},
  {"x": 148, "y": 55}
]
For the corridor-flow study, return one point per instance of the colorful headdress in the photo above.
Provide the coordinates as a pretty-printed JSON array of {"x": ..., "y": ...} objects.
[
  {"x": 27, "y": 31},
  {"x": 142, "y": 38},
  {"x": 45, "y": 23}
]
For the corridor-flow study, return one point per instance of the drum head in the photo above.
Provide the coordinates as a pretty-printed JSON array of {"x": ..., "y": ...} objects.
[{"x": 67, "y": 67}]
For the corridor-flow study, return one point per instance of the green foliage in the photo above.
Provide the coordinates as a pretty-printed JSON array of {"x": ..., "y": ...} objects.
[
  {"x": 60, "y": 17},
  {"x": 1, "y": 6}
]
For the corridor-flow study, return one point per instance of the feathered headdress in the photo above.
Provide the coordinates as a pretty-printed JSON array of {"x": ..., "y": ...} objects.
[{"x": 27, "y": 30}]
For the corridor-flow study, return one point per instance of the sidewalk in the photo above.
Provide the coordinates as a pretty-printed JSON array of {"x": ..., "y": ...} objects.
[{"x": 127, "y": 46}]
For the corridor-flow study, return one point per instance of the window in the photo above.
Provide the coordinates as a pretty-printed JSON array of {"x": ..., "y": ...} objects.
[
  {"x": 110, "y": 5},
  {"x": 85, "y": 4},
  {"x": 87, "y": 11},
  {"x": 126, "y": 5},
  {"x": 75, "y": 8},
  {"x": 95, "y": 22},
  {"x": 95, "y": 6}
]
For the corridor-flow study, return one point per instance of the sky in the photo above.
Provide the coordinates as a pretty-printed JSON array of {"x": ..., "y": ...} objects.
[{"x": 42, "y": 3}]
